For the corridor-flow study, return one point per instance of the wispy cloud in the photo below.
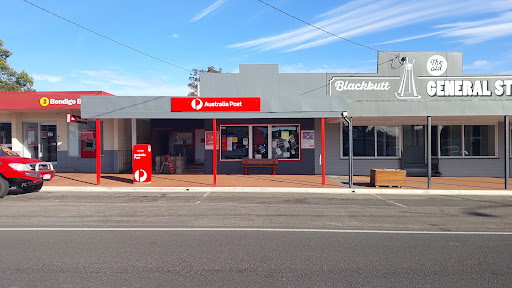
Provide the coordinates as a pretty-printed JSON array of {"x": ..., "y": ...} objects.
[
  {"x": 106, "y": 76},
  {"x": 174, "y": 36},
  {"x": 479, "y": 64},
  {"x": 49, "y": 78},
  {"x": 470, "y": 32},
  {"x": 363, "y": 17},
  {"x": 127, "y": 85},
  {"x": 208, "y": 10}
]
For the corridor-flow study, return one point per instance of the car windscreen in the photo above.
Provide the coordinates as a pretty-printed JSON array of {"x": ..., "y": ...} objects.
[{"x": 4, "y": 151}]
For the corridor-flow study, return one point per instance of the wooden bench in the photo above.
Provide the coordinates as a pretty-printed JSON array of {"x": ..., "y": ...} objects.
[{"x": 246, "y": 162}]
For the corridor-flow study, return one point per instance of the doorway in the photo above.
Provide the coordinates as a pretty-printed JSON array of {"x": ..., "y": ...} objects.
[
  {"x": 199, "y": 146},
  {"x": 413, "y": 154},
  {"x": 49, "y": 143},
  {"x": 40, "y": 141}
]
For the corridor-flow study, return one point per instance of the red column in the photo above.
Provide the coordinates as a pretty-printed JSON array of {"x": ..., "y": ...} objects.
[
  {"x": 214, "y": 151},
  {"x": 98, "y": 151},
  {"x": 323, "y": 152}
]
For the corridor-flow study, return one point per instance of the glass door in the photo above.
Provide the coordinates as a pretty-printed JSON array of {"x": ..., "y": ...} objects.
[
  {"x": 40, "y": 141},
  {"x": 49, "y": 143},
  {"x": 414, "y": 144}
]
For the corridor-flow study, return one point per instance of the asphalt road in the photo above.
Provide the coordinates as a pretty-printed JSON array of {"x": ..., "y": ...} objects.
[{"x": 254, "y": 240}]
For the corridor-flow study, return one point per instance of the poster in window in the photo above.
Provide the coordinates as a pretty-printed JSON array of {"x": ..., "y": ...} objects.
[
  {"x": 208, "y": 143},
  {"x": 258, "y": 137},
  {"x": 31, "y": 135},
  {"x": 308, "y": 139},
  {"x": 224, "y": 144},
  {"x": 285, "y": 135},
  {"x": 229, "y": 144}
]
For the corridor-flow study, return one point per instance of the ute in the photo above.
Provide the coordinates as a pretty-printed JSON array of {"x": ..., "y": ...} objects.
[{"x": 25, "y": 173}]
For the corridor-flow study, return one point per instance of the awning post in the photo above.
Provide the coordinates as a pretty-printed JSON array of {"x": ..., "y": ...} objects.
[
  {"x": 323, "y": 152},
  {"x": 507, "y": 151},
  {"x": 351, "y": 153},
  {"x": 429, "y": 150},
  {"x": 98, "y": 151},
  {"x": 214, "y": 151}
]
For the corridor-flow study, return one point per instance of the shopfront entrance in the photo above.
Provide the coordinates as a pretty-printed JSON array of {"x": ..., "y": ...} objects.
[
  {"x": 413, "y": 149},
  {"x": 40, "y": 141}
]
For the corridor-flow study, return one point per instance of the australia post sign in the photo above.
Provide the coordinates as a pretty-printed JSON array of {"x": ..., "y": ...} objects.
[
  {"x": 141, "y": 163},
  {"x": 215, "y": 104}
]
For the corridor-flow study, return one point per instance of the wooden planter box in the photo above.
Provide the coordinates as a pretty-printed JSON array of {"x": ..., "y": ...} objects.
[{"x": 387, "y": 177}]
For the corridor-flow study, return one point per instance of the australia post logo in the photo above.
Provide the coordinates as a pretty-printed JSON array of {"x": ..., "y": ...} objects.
[
  {"x": 45, "y": 101},
  {"x": 197, "y": 104},
  {"x": 215, "y": 104}
]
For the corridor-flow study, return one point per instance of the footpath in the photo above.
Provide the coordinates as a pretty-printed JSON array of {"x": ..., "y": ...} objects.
[{"x": 86, "y": 182}]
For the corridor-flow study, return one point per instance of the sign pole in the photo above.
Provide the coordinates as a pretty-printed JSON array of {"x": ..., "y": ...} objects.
[
  {"x": 214, "y": 151},
  {"x": 98, "y": 151},
  {"x": 323, "y": 152}
]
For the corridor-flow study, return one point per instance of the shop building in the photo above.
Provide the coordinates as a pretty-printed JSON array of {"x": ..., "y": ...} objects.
[
  {"x": 418, "y": 111},
  {"x": 48, "y": 126}
]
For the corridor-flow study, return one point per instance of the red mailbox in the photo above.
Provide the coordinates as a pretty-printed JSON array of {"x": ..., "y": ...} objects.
[{"x": 142, "y": 163}]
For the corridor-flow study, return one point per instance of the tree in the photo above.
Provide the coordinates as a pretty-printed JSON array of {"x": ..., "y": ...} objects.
[
  {"x": 194, "y": 78},
  {"x": 11, "y": 80}
]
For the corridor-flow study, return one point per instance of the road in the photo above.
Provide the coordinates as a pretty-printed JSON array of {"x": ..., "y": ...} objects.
[{"x": 85, "y": 239}]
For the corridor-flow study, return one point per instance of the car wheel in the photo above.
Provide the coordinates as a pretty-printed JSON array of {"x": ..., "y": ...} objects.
[
  {"x": 4, "y": 187},
  {"x": 32, "y": 188}
]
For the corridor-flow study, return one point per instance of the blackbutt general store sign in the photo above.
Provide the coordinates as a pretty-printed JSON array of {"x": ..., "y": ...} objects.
[{"x": 411, "y": 77}]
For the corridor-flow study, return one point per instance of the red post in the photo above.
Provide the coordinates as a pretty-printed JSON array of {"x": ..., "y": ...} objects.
[
  {"x": 98, "y": 151},
  {"x": 323, "y": 152},
  {"x": 214, "y": 151}
]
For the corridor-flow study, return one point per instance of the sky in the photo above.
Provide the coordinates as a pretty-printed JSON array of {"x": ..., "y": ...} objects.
[{"x": 152, "y": 46}]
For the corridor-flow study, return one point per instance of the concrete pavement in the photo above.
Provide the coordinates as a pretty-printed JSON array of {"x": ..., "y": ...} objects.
[{"x": 86, "y": 182}]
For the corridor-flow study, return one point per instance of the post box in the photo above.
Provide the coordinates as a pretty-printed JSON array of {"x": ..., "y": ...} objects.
[{"x": 142, "y": 163}]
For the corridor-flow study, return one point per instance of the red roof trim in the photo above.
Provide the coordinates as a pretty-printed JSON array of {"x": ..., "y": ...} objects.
[{"x": 45, "y": 99}]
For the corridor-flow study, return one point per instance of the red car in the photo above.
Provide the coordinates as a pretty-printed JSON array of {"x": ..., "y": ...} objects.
[{"x": 25, "y": 173}]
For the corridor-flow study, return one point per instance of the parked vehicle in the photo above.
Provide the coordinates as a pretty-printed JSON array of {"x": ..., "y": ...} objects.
[{"x": 25, "y": 173}]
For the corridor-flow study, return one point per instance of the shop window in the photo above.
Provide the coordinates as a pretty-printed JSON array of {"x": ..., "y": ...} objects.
[
  {"x": 387, "y": 141},
  {"x": 479, "y": 140},
  {"x": 260, "y": 142},
  {"x": 364, "y": 140},
  {"x": 234, "y": 142},
  {"x": 434, "y": 141},
  {"x": 372, "y": 141},
  {"x": 5, "y": 134},
  {"x": 285, "y": 142},
  {"x": 450, "y": 140},
  {"x": 75, "y": 146}
]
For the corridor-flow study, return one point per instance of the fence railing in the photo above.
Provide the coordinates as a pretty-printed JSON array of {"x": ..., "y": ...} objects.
[{"x": 125, "y": 161}]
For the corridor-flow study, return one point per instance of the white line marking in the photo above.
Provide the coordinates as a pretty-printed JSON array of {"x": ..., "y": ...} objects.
[
  {"x": 204, "y": 196},
  {"x": 258, "y": 230},
  {"x": 389, "y": 201}
]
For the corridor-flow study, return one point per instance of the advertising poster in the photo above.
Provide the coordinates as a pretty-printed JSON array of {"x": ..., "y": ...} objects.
[
  {"x": 208, "y": 143},
  {"x": 224, "y": 144},
  {"x": 31, "y": 135},
  {"x": 308, "y": 139}
]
